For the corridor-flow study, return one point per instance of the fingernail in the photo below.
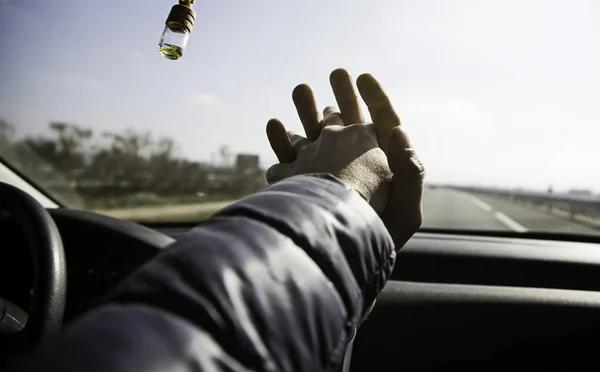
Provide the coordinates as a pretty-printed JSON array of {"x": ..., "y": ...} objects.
[{"x": 330, "y": 110}]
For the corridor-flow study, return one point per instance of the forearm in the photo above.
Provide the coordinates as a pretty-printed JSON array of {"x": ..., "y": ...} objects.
[{"x": 277, "y": 281}]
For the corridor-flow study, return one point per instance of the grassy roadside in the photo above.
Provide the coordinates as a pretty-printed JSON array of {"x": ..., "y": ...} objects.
[
  {"x": 195, "y": 217},
  {"x": 167, "y": 213},
  {"x": 149, "y": 200}
]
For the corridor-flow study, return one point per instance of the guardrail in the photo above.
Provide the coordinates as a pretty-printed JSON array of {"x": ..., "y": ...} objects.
[{"x": 572, "y": 205}]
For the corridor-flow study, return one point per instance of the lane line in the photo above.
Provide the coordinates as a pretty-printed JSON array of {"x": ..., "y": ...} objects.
[
  {"x": 509, "y": 222},
  {"x": 481, "y": 204},
  {"x": 501, "y": 217}
]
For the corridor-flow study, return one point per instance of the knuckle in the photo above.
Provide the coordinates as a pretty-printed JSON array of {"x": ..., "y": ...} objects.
[
  {"x": 332, "y": 121},
  {"x": 357, "y": 128},
  {"x": 415, "y": 168},
  {"x": 411, "y": 169},
  {"x": 328, "y": 130},
  {"x": 361, "y": 131},
  {"x": 418, "y": 165}
]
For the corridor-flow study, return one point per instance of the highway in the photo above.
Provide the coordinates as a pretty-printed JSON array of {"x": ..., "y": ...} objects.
[
  {"x": 452, "y": 209},
  {"x": 443, "y": 209}
]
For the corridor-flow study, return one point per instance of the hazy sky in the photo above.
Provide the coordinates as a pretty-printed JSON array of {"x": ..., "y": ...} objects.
[{"x": 491, "y": 92}]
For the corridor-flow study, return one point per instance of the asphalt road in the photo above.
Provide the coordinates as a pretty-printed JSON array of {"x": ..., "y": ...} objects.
[
  {"x": 451, "y": 209},
  {"x": 443, "y": 209}
]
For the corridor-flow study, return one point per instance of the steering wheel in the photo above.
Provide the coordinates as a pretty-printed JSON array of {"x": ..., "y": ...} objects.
[{"x": 17, "y": 329}]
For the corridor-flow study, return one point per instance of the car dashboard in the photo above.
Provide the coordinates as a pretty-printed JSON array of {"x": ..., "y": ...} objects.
[
  {"x": 474, "y": 302},
  {"x": 483, "y": 303},
  {"x": 453, "y": 301}
]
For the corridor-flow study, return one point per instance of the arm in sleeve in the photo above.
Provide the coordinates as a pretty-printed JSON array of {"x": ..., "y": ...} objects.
[{"x": 277, "y": 281}]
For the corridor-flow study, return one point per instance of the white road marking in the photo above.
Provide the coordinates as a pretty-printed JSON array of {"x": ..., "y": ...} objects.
[
  {"x": 509, "y": 222},
  {"x": 504, "y": 219},
  {"x": 481, "y": 204}
]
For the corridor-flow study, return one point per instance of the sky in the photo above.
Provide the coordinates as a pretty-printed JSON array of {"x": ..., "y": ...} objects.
[{"x": 501, "y": 93}]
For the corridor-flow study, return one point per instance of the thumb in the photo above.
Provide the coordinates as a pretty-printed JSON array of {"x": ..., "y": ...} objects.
[
  {"x": 402, "y": 157},
  {"x": 278, "y": 172},
  {"x": 404, "y": 214}
]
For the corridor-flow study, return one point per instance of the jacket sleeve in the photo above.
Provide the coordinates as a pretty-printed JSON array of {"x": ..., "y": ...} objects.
[{"x": 277, "y": 281}]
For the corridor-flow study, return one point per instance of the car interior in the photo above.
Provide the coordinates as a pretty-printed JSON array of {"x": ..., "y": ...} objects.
[
  {"x": 454, "y": 300},
  {"x": 499, "y": 98}
]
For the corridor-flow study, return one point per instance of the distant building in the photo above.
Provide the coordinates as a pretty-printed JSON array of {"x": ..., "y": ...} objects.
[
  {"x": 222, "y": 179},
  {"x": 580, "y": 192},
  {"x": 246, "y": 164}
]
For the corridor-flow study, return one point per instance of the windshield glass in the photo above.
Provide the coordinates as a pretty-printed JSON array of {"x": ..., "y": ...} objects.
[{"x": 500, "y": 100}]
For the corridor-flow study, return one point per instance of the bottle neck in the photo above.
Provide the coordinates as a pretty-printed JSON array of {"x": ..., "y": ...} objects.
[{"x": 187, "y": 3}]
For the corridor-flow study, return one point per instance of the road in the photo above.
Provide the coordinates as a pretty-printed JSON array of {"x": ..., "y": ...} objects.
[
  {"x": 452, "y": 209},
  {"x": 443, "y": 209}
]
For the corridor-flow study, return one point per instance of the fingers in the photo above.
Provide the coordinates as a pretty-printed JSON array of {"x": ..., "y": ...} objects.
[
  {"x": 278, "y": 172},
  {"x": 345, "y": 95},
  {"x": 306, "y": 106},
  {"x": 280, "y": 142},
  {"x": 297, "y": 141},
  {"x": 382, "y": 112},
  {"x": 332, "y": 116}
]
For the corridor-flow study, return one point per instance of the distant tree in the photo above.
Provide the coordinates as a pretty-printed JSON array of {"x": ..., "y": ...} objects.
[
  {"x": 122, "y": 161},
  {"x": 72, "y": 142},
  {"x": 7, "y": 132},
  {"x": 117, "y": 164},
  {"x": 65, "y": 150},
  {"x": 225, "y": 154}
]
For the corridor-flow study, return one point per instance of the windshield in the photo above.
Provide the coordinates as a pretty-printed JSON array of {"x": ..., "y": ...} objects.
[{"x": 500, "y": 100}]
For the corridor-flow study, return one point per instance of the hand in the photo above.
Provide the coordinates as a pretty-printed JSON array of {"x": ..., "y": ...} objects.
[
  {"x": 403, "y": 212},
  {"x": 350, "y": 153}
]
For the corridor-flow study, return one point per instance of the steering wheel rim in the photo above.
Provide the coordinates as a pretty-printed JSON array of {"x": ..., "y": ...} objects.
[{"x": 50, "y": 270}]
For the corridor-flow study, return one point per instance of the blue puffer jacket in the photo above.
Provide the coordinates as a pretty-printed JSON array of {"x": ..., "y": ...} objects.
[{"x": 277, "y": 281}]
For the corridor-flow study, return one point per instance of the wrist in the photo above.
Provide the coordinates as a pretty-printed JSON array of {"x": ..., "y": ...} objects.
[
  {"x": 375, "y": 190},
  {"x": 358, "y": 186}
]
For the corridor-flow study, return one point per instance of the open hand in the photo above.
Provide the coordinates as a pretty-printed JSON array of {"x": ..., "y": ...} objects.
[
  {"x": 402, "y": 196},
  {"x": 350, "y": 153}
]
